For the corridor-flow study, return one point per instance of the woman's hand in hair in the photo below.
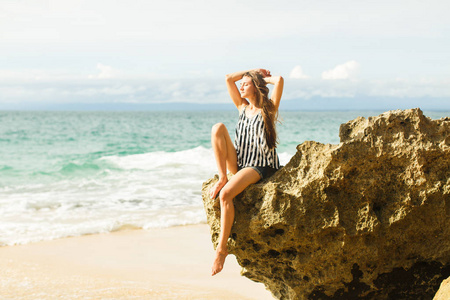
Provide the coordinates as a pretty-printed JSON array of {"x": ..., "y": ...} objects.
[
  {"x": 265, "y": 73},
  {"x": 273, "y": 80}
]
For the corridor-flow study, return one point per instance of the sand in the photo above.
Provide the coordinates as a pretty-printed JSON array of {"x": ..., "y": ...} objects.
[{"x": 173, "y": 263}]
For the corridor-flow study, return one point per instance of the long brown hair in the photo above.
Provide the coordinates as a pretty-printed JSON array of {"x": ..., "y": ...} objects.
[{"x": 268, "y": 110}]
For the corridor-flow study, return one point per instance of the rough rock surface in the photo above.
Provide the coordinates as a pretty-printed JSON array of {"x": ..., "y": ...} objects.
[
  {"x": 444, "y": 291},
  {"x": 365, "y": 219}
]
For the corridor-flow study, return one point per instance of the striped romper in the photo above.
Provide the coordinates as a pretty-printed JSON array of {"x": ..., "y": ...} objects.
[{"x": 251, "y": 146}]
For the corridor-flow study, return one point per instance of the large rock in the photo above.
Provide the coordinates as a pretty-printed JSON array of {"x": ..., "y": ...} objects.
[{"x": 365, "y": 219}]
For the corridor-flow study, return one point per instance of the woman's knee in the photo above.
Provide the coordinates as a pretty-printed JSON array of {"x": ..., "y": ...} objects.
[
  {"x": 225, "y": 196},
  {"x": 218, "y": 128}
]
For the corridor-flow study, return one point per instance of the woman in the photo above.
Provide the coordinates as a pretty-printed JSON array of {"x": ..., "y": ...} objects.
[{"x": 253, "y": 156}]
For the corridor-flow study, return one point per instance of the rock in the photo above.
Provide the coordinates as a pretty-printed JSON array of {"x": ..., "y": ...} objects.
[
  {"x": 365, "y": 219},
  {"x": 444, "y": 291}
]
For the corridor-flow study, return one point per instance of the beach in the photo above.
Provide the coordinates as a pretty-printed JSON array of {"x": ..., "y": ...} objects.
[{"x": 172, "y": 263}]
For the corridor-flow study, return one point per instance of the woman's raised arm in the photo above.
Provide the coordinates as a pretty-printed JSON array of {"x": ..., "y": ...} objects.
[
  {"x": 233, "y": 90},
  {"x": 277, "y": 92}
]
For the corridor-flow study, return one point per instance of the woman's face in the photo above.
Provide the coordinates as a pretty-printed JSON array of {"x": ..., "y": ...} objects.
[{"x": 247, "y": 88}]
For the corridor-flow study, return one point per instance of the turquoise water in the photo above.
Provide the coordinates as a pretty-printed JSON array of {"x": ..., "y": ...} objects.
[{"x": 74, "y": 173}]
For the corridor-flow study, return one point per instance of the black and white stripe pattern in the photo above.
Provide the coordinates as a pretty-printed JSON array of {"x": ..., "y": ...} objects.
[{"x": 251, "y": 145}]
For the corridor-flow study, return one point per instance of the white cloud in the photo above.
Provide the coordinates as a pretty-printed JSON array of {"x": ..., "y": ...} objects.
[
  {"x": 112, "y": 90},
  {"x": 403, "y": 88},
  {"x": 23, "y": 75},
  {"x": 84, "y": 90},
  {"x": 297, "y": 73},
  {"x": 105, "y": 72},
  {"x": 347, "y": 70},
  {"x": 69, "y": 38},
  {"x": 319, "y": 88},
  {"x": 397, "y": 88}
]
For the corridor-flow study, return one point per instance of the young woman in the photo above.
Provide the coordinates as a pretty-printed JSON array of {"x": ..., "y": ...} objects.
[{"x": 252, "y": 157}]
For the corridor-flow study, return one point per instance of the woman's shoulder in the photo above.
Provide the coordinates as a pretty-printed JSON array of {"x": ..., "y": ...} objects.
[{"x": 242, "y": 108}]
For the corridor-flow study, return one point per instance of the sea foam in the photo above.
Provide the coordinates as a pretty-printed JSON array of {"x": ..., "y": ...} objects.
[{"x": 150, "y": 190}]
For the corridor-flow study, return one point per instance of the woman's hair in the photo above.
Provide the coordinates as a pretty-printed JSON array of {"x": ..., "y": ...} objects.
[{"x": 268, "y": 110}]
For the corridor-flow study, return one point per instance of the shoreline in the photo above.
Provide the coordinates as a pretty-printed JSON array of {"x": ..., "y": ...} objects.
[{"x": 169, "y": 263}]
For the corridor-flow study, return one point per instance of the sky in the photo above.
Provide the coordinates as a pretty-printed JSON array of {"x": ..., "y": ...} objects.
[{"x": 345, "y": 55}]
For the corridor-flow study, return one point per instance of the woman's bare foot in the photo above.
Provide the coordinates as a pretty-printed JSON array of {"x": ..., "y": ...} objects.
[
  {"x": 217, "y": 187},
  {"x": 219, "y": 261}
]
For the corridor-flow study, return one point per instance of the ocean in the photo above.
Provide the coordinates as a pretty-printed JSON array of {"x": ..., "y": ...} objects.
[{"x": 74, "y": 173}]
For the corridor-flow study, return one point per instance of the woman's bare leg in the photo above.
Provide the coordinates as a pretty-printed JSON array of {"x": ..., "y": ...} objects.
[
  {"x": 232, "y": 188},
  {"x": 225, "y": 155}
]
